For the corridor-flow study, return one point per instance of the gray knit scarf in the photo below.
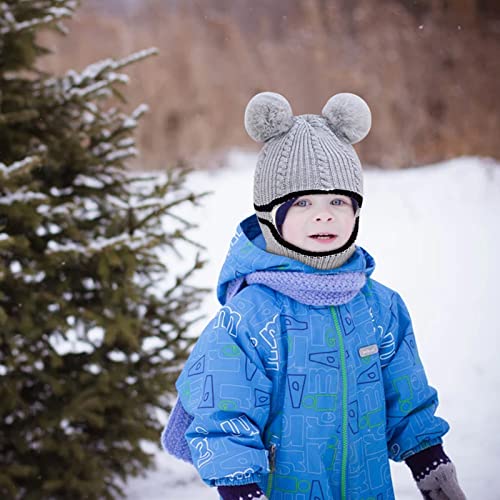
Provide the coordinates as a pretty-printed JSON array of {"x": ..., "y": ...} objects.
[{"x": 311, "y": 289}]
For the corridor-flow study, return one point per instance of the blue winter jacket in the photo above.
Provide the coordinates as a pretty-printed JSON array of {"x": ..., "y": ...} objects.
[{"x": 309, "y": 402}]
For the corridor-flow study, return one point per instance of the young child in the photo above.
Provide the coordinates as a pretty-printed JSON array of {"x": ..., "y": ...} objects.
[{"x": 308, "y": 379}]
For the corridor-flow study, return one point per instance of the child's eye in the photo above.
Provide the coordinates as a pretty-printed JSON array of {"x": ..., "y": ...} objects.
[
  {"x": 338, "y": 202},
  {"x": 301, "y": 203}
]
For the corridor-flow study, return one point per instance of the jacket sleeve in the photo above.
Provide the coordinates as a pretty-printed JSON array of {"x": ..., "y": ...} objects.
[
  {"x": 411, "y": 402},
  {"x": 224, "y": 387}
]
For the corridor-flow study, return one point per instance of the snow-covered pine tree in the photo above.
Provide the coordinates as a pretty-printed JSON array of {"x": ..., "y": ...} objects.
[{"x": 91, "y": 316}]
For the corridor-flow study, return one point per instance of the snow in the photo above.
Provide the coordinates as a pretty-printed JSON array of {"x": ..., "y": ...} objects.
[
  {"x": 95, "y": 78},
  {"x": 124, "y": 143},
  {"x": 117, "y": 356},
  {"x": 56, "y": 192},
  {"x": 15, "y": 267},
  {"x": 102, "y": 147},
  {"x": 53, "y": 13},
  {"x": 70, "y": 343},
  {"x": 90, "y": 182},
  {"x": 120, "y": 154},
  {"x": 433, "y": 234},
  {"x": 100, "y": 243},
  {"x": 136, "y": 56},
  {"x": 34, "y": 278},
  {"x": 118, "y": 77},
  {"x": 7, "y": 13},
  {"x": 139, "y": 111},
  {"x": 21, "y": 196},
  {"x": 89, "y": 116},
  {"x": 129, "y": 123},
  {"x": 84, "y": 92},
  {"x": 14, "y": 168},
  {"x": 96, "y": 336}
]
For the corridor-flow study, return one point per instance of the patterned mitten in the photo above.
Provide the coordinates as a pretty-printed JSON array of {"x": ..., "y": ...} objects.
[
  {"x": 241, "y": 492},
  {"x": 435, "y": 474}
]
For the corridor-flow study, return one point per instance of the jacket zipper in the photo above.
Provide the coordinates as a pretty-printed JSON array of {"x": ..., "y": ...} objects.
[
  {"x": 272, "y": 458},
  {"x": 343, "y": 369},
  {"x": 272, "y": 468}
]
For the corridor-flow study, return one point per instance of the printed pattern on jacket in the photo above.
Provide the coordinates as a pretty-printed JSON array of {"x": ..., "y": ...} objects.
[{"x": 309, "y": 402}]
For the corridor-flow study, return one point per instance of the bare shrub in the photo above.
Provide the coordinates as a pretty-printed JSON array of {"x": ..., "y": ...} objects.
[{"x": 430, "y": 72}]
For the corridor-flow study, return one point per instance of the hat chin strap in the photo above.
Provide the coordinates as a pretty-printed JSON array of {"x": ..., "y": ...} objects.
[{"x": 319, "y": 260}]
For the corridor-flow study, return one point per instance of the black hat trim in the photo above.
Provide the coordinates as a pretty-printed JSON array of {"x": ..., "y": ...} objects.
[{"x": 297, "y": 194}]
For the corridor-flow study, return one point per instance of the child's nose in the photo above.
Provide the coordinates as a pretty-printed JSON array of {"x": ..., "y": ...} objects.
[{"x": 323, "y": 216}]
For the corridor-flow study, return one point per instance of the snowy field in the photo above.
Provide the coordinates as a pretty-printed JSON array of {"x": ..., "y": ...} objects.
[{"x": 433, "y": 232}]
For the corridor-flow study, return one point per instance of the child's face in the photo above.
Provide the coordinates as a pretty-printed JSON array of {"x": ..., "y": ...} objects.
[{"x": 319, "y": 222}]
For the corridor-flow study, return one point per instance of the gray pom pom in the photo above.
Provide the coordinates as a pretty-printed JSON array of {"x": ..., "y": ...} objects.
[
  {"x": 267, "y": 115},
  {"x": 349, "y": 116}
]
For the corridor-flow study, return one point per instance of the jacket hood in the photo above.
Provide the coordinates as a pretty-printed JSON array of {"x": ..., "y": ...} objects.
[{"x": 247, "y": 254}]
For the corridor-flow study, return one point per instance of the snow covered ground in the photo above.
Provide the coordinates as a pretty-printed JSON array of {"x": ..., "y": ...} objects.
[{"x": 434, "y": 234}]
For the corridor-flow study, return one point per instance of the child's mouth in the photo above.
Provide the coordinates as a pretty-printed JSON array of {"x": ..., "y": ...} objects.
[{"x": 324, "y": 237}]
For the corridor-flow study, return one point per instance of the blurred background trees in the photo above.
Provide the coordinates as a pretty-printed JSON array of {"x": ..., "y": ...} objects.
[
  {"x": 428, "y": 68},
  {"x": 94, "y": 308}
]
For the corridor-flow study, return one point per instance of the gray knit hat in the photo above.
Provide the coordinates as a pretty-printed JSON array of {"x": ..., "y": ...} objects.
[{"x": 306, "y": 154}]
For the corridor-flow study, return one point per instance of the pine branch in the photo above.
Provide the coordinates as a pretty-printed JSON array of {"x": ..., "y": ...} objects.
[
  {"x": 19, "y": 168},
  {"x": 48, "y": 15},
  {"x": 23, "y": 196},
  {"x": 137, "y": 56}
]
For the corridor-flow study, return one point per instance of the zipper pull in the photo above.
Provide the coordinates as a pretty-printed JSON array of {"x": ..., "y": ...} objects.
[{"x": 272, "y": 458}]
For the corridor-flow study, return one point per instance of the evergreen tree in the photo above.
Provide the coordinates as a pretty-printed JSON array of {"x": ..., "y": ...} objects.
[{"x": 91, "y": 315}]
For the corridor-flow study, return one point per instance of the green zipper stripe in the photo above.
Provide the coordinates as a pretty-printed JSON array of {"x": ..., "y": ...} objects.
[
  {"x": 269, "y": 484},
  {"x": 343, "y": 369}
]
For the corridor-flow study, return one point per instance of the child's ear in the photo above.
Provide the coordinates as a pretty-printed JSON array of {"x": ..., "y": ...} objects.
[
  {"x": 267, "y": 115},
  {"x": 348, "y": 116}
]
